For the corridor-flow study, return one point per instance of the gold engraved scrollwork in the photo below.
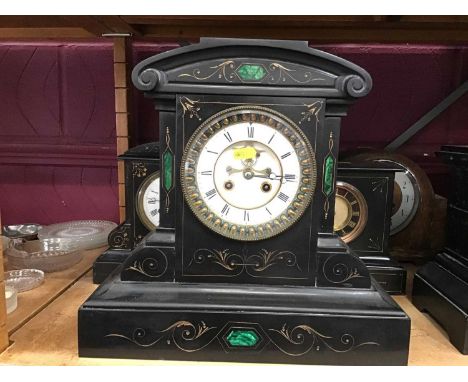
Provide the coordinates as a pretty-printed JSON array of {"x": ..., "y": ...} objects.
[
  {"x": 190, "y": 106},
  {"x": 152, "y": 267},
  {"x": 337, "y": 272},
  {"x": 312, "y": 112},
  {"x": 187, "y": 336},
  {"x": 219, "y": 71},
  {"x": 139, "y": 169},
  {"x": 280, "y": 73},
  {"x": 303, "y": 338}
]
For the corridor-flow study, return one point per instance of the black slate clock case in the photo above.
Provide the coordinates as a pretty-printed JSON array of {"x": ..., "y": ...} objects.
[
  {"x": 317, "y": 304},
  {"x": 375, "y": 182},
  {"x": 441, "y": 286},
  {"x": 140, "y": 162}
]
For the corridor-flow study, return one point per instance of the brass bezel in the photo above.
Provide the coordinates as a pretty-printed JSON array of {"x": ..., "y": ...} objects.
[
  {"x": 357, "y": 230},
  {"x": 299, "y": 203},
  {"x": 139, "y": 200}
]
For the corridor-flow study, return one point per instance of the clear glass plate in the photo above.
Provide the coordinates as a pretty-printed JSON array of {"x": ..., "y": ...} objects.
[
  {"x": 86, "y": 234},
  {"x": 24, "y": 279},
  {"x": 50, "y": 255}
]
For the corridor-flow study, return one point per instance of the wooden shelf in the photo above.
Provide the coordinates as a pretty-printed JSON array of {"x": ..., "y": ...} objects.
[
  {"x": 50, "y": 337},
  {"x": 32, "y": 302}
]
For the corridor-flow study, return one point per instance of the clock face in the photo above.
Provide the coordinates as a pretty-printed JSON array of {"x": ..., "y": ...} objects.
[
  {"x": 350, "y": 212},
  {"x": 405, "y": 201},
  {"x": 248, "y": 173},
  {"x": 148, "y": 201}
]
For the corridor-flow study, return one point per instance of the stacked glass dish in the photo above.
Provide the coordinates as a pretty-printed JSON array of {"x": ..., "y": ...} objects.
[{"x": 84, "y": 234}]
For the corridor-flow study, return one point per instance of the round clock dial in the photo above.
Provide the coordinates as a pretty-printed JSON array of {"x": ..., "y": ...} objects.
[
  {"x": 350, "y": 212},
  {"x": 405, "y": 201},
  {"x": 248, "y": 173},
  {"x": 148, "y": 201}
]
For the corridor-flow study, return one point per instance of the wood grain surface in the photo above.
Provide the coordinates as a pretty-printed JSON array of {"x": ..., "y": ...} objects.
[
  {"x": 35, "y": 300},
  {"x": 50, "y": 338}
]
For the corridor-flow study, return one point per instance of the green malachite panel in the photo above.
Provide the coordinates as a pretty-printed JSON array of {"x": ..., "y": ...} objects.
[
  {"x": 328, "y": 175},
  {"x": 242, "y": 338},
  {"x": 167, "y": 160},
  {"x": 251, "y": 72}
]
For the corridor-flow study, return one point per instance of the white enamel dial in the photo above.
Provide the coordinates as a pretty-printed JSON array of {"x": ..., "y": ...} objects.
[
  {"x": 148, "y": 201},
  {"x": 248, "y": 174},
  {"x": 406, "y": 201}
]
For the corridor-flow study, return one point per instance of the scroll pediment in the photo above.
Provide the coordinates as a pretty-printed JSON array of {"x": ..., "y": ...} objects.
[{"x": 230, "y": 66}]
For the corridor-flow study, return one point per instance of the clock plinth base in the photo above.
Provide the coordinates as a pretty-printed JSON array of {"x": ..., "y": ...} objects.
[
  {"x": 388, "y": 273},
  {"x": 107, "y": 262},
  {"x": 440, "y": 288},
  {"x": 243, "y": 323}
]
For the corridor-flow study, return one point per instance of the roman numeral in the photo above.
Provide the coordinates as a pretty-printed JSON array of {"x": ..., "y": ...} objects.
[
  {"x": 290, "y": 177},
  {"x": 211, "y": 194},
  {"x": 152, "y": 200},
  {"x": 250, "y": 131},
  {"x": 285, "y": 155},
  {"x": 225, "y": 209},
  {"x": 228, "y": 136},
  {"x": 268, "y": 210},
  {"x": 154, "y": 212},
  {"x": 283, "y": 197},
  {"x": 212, "y": 152},
  {"x": 246, "y": 216},
  {"x": 209, "y": 172},
  {"x": 271, "y": 138}
]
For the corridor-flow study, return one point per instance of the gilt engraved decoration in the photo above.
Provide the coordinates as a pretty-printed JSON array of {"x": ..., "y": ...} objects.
[
  {"x": 264, "y": 72},
  {"x": 185, "y": 335},
  {"x": 191, "y": 337},
  {"x": 235, "y": 264},
  {"x": 139, "y": 169},
  {"x": 336, "y": 271},
  {"x": 304, "y": 338},
  {"x": 119, "y": 238},
  {"x": 191, "y": 107},
  {"x": 152, "y": 267}
]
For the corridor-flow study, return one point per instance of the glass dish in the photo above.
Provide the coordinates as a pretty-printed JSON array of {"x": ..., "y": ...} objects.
[
  {"x": 11, "y": 297},
  {"x": 26, "y": 231},
  {"x": 50, "y": 255},
  {"x": 24, "y": 279},
  {"x": 86, "y": 234}
]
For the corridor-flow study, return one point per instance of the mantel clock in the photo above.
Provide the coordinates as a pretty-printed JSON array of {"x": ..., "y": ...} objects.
[
  {"x": 142, "y": 178},
  {"x": 244, "y": 265},
  {"x": 363, "y": 207}
]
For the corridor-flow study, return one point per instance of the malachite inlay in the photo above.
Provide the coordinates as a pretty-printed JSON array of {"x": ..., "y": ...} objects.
[
  {"x": 242, "y": 338},
  {"x": 167, "y": 160},
  {"x": 250, "y": 72},
  {"x": 328, "y": 175}
]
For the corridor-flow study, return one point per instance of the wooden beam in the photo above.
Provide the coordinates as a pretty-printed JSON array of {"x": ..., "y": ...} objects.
[
  {"x": 43, "y": 33},
  {"x": 394, "y": 32},
  {"x": 122, "y": 91},
  {"x": 118, "y": 25}
]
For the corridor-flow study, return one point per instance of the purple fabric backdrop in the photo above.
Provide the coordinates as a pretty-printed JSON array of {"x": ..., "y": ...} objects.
[{"x": 57, "y": 127}]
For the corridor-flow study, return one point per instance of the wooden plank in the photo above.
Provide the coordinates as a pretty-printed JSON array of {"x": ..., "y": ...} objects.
[
  {"x": 120, "y": 49},
  {"x": 121, "y": 100},
  {"x": 118, "y": 25},
  {"x": 122, "y": 194},
  {"x": 44, "y": 33},
  {"x": 4, "y": 342},
  {"x": 121, "y": 124},
  {"x": 120, "y": 75},
  {"x": 35, "y": 300},
  {"x": 122, "y": 214},
  {"x": 317, "y": 34},
  {"x": 121, "y": 171},
  {"x": 122, "y": 146},
  {"x": 50, "y": 338}
]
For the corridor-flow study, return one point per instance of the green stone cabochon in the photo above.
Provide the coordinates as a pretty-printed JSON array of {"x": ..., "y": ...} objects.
[
  {"x": 251, "y": 72},
  {"x": 328, "y": 175},
  {"x": 167, "y": 159},
  {"x": 244, "y": 338}
]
